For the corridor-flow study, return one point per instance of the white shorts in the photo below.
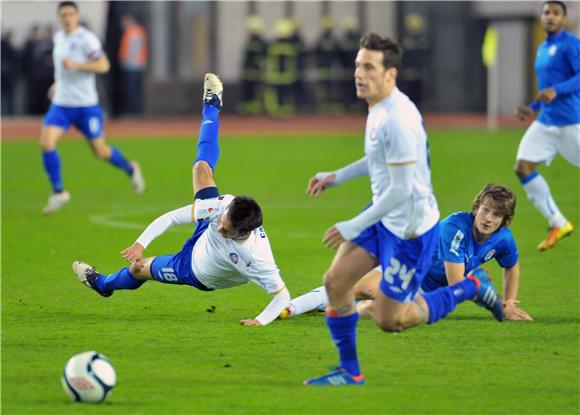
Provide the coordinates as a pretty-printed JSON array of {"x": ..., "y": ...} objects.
[{"x": 541, "y": 143}]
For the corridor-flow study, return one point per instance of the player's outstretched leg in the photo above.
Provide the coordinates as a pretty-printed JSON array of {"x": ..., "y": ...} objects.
[
  {"x": 477, "y": 287},
  {"x": 208, "y": 150},
  {"x": 105, "y": 285}
]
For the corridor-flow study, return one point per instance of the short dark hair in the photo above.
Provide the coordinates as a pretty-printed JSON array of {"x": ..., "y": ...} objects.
[
  {"x": 67, "y": 4},
  {"x": 392, "y": 52},
  {"x": 503, "y": 198},
  {"x": 245, "y": 214},
  {"x": 559, "y": 3}
]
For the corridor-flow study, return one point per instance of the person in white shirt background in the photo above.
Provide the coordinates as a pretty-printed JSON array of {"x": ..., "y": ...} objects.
[{"x": 78, "y": 56}]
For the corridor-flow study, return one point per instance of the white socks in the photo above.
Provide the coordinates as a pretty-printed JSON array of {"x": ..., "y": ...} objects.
[
  {"x": 310, "y": 301},
  {"x": 538, "y": 192}
]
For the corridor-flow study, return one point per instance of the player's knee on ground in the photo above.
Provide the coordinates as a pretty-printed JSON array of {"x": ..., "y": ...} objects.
[{"x": 389, "y": 324}]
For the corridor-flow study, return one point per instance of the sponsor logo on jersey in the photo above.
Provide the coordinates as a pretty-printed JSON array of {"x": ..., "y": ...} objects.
[
  {"x": 234, "y": 257},
  {"x": 456, "y": 241},
  {"x": 489, "y": 255},
  {"x": 552, "y": 50}
]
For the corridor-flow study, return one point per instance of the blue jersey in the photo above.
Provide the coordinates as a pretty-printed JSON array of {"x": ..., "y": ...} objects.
[
  {"x": 558, "y": 66},
  {"x": 457, "y": 244}
]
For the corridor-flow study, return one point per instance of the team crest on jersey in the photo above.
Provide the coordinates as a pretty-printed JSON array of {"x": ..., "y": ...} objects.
[
  {"x": 489, "y": 255},
  {"x": 456, "y": 241},
  {"x": 234, "y": 257},
  {"x": 552, "y": 50},
  {"x": 374, "y": 134}
]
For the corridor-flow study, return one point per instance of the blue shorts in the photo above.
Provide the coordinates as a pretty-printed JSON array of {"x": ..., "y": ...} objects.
[
  {"x": 404, "y": 262},
  {"x": 176, "y": 268},
  {"x": 89, "y": 120}
]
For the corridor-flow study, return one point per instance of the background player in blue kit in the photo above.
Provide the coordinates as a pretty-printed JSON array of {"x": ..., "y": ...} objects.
[
  {"x": 467, "y": 241},
  {"x": 398, "y": 230},
  {"x": 78, "y": 56},
  {"x": 228, "y": 247},
  {"x": 557, "y": 128}
]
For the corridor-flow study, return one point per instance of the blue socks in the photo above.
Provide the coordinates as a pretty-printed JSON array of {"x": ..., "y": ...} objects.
[
  {"x": 444, "y": 300},
  {"x": 343, "y": 331},
  {"x": 207, "y": 146},
  {"x": 51, "y": 161},
  {"x": 120, "y": 280},
  {"x": 118, "y": 160}
]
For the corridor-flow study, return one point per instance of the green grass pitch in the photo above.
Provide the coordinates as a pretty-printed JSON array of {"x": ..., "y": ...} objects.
[{"x": 174, "y": 357}]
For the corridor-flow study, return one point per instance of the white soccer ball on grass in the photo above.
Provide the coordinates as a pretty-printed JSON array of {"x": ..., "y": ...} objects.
[{"x": 89, "y": 377}]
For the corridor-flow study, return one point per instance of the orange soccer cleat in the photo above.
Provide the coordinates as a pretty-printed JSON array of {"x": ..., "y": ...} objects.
[{"x": 554, "y": 235}]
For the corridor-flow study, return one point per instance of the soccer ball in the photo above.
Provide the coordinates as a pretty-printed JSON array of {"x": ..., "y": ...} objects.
[{"x": 88, "y": 377}]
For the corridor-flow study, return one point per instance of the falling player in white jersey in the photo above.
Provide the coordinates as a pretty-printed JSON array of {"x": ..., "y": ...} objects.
[
  {"x": 228, "y": 247},
  {"x": 398, "y": 230},
  {"x": 78, "y": 56}
]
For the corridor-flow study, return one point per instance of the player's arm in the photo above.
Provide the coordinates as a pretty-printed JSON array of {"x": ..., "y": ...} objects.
[
  {"x": 571, "y": 85},
  {"x": 399, "y": 190},
  {"x": 280, "y": 301},
  {"x": 98, "y": 65},
  {"x": 454, "y": 271},
  {"x": 323, "y": 180},
  {"x": 511, "y": 283},
  {"x": 181, "y": 216}
]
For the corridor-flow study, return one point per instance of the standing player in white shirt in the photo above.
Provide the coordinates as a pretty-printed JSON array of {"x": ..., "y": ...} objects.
[
  {"x": 78, "y": 56},
  {"x": 399, "y": 228},
  {"x": 228, "y": 247}
]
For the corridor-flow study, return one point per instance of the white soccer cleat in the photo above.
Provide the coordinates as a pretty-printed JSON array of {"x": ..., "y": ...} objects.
[
  {"x": 88, "y": 276},
  {"x": 213, "y": 90},
  {"x": 137, "y": 179},
  {"x": 56, "y": 201}
]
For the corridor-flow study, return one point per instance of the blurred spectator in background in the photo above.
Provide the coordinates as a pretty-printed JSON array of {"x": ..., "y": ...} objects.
[
  {"x": 9, "y": 73},
  {"x": 349, "y": 46},
  {"x": 133, "y": 54},
  {"x": 43, "y": 70},
  {"x": 326, "y": 55},
  {"x": 253, "y": 68},
  {"x": 415, "y": 59},
  {"x": 282, "y": 73},
  {"x": 299, "y": 90},
  {"x": 29, "y": 67}
]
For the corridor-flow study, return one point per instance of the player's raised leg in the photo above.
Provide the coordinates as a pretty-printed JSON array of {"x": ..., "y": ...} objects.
[{"x": 208, "y": 151}]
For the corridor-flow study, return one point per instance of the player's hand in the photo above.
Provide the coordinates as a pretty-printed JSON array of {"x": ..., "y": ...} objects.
[
  {"x": 51, "y": 91},
  {"x": 332, "y": 238},
  {"x": 319, "y": 183},
  {"x": 512, "y": 312},
  {"x": 523, "y": 112},
  {"x": 70, "y": 65},
  {"x": 547, "y": 95},
  {"x": 134, "y": 253},
  {"x": 249, "y": 323}
]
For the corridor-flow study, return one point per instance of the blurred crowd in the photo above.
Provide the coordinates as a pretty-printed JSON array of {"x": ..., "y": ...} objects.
[
  {"x": 276, "y": 72},
  {"x": 29, "y": 67}
]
